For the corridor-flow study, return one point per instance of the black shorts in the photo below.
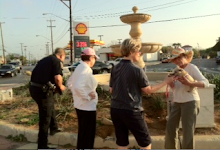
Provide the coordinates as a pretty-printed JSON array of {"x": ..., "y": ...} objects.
[{"x": 125, "y": 120}]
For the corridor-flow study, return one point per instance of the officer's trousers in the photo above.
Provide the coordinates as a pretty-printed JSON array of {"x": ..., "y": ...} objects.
[{"x": 47, "y": 116}]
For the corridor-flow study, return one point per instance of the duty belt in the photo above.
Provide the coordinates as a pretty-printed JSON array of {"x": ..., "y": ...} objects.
[{"x": 36, "y": 84}]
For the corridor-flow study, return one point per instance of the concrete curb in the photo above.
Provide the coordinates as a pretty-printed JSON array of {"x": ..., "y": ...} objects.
[{"x": 6, "y": 129}]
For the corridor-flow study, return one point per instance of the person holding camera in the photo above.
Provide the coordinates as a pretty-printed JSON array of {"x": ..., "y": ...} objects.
[{"x": 46, "y": 78}]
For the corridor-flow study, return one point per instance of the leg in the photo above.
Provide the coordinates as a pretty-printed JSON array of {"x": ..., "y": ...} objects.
[
  {"x": 189, "y": 112},
  {"x": 172, "y": 127},
  {"x": 86, "y": 129},
  {"x": 45, "y": 111},
  {"x": 53, "y": 122},
  {"x": 121, "y": 130},
  {"x": 135, "y": 121}
]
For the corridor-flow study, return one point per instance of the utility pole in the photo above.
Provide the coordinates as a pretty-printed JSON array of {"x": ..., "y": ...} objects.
[
  {"x": 100, "y": 37},
  {"x": 198, "y": 55},
  {"x": 47, "y": 49},
  {"x": 3, "y": 49},
  {"x": 25, "y": 52},
  {"x": 22, "y": 53},
  {"x": 71, "y": 32},
  {"x": 51, "y": 33},
  {"x": 29, "y": 58},
  {"x": 119, "y": 41}
]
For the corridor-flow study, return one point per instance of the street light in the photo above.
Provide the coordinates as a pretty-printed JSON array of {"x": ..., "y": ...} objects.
[
  {"x": 47, "y": 39},
  {"x": 70, "y": 21},
  {"x": 55, "y": 16}
]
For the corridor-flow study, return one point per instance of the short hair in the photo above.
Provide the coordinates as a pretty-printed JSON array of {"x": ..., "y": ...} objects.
[
  {"x": 85, "y": 57},
  {"x": 130, "y": 45},
  {"x": 59, "y": 51}
]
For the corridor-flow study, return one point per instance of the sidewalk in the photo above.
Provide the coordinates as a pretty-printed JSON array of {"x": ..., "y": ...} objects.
[{"x": 66, "y": 140}]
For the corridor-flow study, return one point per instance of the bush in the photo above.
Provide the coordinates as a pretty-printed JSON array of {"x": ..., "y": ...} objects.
[{"x": 214, "y": 79}]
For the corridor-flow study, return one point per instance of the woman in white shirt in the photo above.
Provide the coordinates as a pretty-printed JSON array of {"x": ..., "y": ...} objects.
[
  {"x": 83, "y": 87},
  {"x": 186, "y": 103}
]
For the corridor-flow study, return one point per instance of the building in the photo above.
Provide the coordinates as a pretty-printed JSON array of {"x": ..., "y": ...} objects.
[
  {"x": 105, "y": 54},
  {"x": 187, "y": 48}
]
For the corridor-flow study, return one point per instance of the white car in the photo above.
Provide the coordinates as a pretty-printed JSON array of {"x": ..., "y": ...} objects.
[{"x": 114, "y": 62}]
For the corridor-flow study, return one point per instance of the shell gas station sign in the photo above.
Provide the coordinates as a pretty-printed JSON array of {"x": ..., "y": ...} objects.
[
  {"x": 81, "y": 28},
  {"x": 81, "y": 37}
]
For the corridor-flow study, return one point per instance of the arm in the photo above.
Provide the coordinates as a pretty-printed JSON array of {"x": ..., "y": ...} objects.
[
  {"x": 59, "y": 82},
  {"x": 201, "y": 81},
  {"x": 81, "y": 84},
  {"x": 154, "y": 88}
]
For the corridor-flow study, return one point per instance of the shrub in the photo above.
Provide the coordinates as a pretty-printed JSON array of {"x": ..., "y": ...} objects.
[{"x": 214, "y": 79}]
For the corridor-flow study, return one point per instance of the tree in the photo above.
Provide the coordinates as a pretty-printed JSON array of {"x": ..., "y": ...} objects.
[{"x": 175, "y": 45}]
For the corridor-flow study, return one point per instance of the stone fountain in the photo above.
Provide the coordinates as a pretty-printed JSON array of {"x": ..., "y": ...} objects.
[{"x": 135, "y": 21}]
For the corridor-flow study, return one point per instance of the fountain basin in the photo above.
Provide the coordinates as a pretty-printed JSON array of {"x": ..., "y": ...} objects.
[
  {"x": 146, "y": 48},
  {"x": 138, "y": 17}
]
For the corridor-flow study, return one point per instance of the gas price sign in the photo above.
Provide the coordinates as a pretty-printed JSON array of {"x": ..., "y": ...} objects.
[{"x": 80, "y": 43}]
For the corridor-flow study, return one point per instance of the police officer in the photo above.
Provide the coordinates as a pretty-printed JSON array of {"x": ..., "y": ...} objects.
[{"x": 48, "y": 70}]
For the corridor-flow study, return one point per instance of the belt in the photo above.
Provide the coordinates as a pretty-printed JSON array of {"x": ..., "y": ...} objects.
[{"x": 36, "y": 84}]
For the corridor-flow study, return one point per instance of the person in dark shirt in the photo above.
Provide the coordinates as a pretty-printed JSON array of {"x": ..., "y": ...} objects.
[
  {"x": 127, "y": 82},
  {"x": 48, "y": 69}
]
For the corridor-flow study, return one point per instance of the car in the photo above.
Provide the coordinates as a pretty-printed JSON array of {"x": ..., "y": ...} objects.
[
  {"x": 73, "y": 67},
  {"x": 99, "y": 67},
  {"x": 218, "y": 59},
  {"x": 17, "y": 66},
  {"x": 165, "y": 60},
  {"x": 114, "y": 62},
  {"x": 8, "y": 69}
]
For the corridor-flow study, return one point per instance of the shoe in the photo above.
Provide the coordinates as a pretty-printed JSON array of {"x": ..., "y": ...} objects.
[{"x": 53, "y": 132}]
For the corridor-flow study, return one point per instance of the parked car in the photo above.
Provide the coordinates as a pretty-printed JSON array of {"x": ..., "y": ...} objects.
[
  {"x": 17, "y": 66},
  {"x": 218, "y": 59},
  {"x": 99, "y": 67},
  {"x": 114, "y": 62},
  {"x": 73, "y": 67},
  {"x": 8, "y": 69}
]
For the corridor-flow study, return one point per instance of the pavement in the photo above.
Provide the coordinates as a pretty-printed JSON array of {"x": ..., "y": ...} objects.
[{"x": 64, "y": 140}]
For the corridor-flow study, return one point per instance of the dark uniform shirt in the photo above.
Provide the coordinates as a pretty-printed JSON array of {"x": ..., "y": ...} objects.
[
  {"x": 126, "y": 81},
  {"x": 46, "y": 69}
]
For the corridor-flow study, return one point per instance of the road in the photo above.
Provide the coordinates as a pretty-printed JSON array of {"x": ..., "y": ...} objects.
[
  {"x": 21, "y": 78},
  {"x": 206, "y": 65}
]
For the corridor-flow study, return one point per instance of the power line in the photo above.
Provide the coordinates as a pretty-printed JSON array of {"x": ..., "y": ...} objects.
[{"x": 159, "y": 21}]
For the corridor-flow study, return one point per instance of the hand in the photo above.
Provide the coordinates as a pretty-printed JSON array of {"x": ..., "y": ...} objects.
[
  {"x": 184, "y": 81},
  {"x": 62, "y": 88},
  {"x": 169, "y": 80},
  {"x": 92, "y": 95}
]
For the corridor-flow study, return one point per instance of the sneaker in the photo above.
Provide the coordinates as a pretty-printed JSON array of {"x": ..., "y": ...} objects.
[{"x": 53, "y": 132}]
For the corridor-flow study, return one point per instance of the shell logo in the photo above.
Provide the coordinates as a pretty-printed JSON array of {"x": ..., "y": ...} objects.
[{"x": 81, "y": 28}]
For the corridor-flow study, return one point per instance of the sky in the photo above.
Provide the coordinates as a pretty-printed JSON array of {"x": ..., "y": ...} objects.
[{"x": 189, "y": 22}]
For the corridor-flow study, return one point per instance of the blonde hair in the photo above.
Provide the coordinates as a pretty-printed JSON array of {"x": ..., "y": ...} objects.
[{"x": 130, "y": 45}]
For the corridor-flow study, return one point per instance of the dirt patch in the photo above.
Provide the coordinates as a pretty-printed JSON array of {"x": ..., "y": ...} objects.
[{"x": 24, "y": 111}]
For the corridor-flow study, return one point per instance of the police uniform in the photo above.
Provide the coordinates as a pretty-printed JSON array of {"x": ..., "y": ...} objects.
[{"x": 45, "y": 71}]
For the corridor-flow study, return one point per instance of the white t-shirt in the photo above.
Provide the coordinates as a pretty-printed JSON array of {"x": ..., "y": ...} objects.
[
  {"x": 81, "y": 83},
  {"x": 180, "y": 94}
]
